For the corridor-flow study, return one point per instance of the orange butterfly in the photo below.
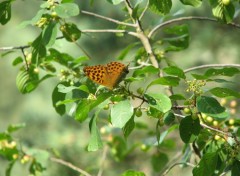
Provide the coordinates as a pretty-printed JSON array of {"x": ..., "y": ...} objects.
[{"x": 107, "y": 75}]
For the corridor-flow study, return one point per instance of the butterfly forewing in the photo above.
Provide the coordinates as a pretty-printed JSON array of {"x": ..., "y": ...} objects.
[{"x": 109, "y": 75}]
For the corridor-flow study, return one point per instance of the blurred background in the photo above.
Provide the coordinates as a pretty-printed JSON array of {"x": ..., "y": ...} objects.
[{"x": 45, "y": 129}]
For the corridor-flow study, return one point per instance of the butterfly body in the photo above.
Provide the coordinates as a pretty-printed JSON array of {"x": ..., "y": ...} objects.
[{"x": 107, "y": 75}]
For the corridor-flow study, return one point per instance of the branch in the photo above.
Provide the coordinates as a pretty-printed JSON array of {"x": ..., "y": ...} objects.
[
  {"x": 175, "y": 164},
  {"x": 141, "y": 35},
  {"x": 145, "y": 9},
  {"x": 107, "y": 18},
  {"x": 186, "y": 19},
  {"x": 210, "y": 66},
  {"x": 104, "y": 155},
  {"x": 70, "y": 165},
  {"x": 109, "y": 30}
]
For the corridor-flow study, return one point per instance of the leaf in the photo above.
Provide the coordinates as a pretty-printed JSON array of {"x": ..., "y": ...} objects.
[
  {"x": 189, "y": 129},
  {"x": 165, "y": 80},
  {"x": 126, "y": 50},
  {"x": 82, "y": 110},
  {"x": 61, "y": 58},
  {"x": 115, "y": 2},
  {"x": 70, "y": 32},
  {"x": 49, "y": 34},
  {"x": 15, "y": 127},
  {"x": 95, "y": 141},
  {"x": 165, "y": 133},
  {"x": 160, "y": 6},
  {"x": 133, "y": 173},
  {"x": 5, "y": 12},
  {"x": 17, "y": 61},
  {"x": 180, "y": 39},
  {"x": 145, "y": 70},
  {"x": 9, "y": 168},
  {"x": 209, "y": 105},
  {"x": 38, "y": 50},
  {"x": 67, "y": 10},
  {"x": 194, "y": 3},
  {"x": 177, "y": 97},
  {"x": 175, "y": 71},
  {"x": 159, "y": 161},
  {"x": 224, "y": 92},
  {"x": 235, "y": 168},
  {"x": 228, "y": 71},
  {"x": 128, "y": 128},
  {"x": 159, "y": 101},
  {"x": 207, "y": 165},
  {"x": 41, "y": 156},
  {"x": 223, "y": 12},
  {"x": 121, "y": 113},
  {"x": 168, "y": 118},
  {"x": 58, "y": 97}
]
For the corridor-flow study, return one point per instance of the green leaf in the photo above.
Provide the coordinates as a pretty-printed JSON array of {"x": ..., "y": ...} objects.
[
  {"x": 160, "y": 6},
  {"x": 175, "y": 71},
  {"x": 145, "y": 70},
  {"x": 9, "y": 168},
  {"x": 95, "y": 142},
  {"x": 121, "y": 113},
  {"x": 15, "y": 127},
  {"x": 115, "y": 2},
  {"x": 126, "y": 50},
  {"x": 159, "y": 101},
  {"x": 224, "y": 92},
  {"x": 189, "y": 129},
  {"x": 38, "y": 50},
  {"x": 86, "y": 105},
  {"x": 168, "y": 118},
  {"x": 132, "y": 173},
  {"x": 82, "y": 110},
  {"x": 177, "y": 97},
  {"x": 49, "y": 34},
  {"x": 235, "y": 168},
  {"x": 166, "y": 80},
  {"x": 26, "y": 81},
  {"x": 17, "y": 61},
  {"x": 223, "y": 12},
  {"x": 5, "y": 12},
  {"x": 61, "y": 58},
  {"x": 67, "y": 10},
  {"x": 194, "y": 3},
  {"x": 228, "y": 71},
  {"x": 209, "y": 105},
  {"x": 165, "y": 133},
  {"x": 58, "y": 97},
  {"x": 128, "y": 128},
  {"x": 207, "y": 165},
  {"x": 70, "y": 32},
  {"x": 180, "y": 39},
  {"x": 159, "y": 161}
]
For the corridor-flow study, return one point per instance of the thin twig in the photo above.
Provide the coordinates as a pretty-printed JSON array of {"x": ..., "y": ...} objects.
[
  {"x": 144, "y": 11},
  {"x": 109, "y": 30},
  {"x": 107, "y": 18},
  {"x": 70, "y": 165},
  {"x": 186, "y": 19},
  {"x": 214, "y": 129},
  {"x": 211, "y": 65},
  {"x": 104, "y": 155},
  {"x": 175, "y": 164}
]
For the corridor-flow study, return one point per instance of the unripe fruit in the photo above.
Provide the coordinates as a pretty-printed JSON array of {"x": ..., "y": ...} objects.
[
  {"x": 106, "y": 107},
  {"x": 186, "y": 110},
  {"x": 223, "y": 101},
  {"x": 216, "y": 137},
  {"x": 226, "y": 2},
  {"x": 140, "y": 90},
  {"x": 231, "y": 121},
  {"x": 215, "y": 123},
  {"x": 209, "y": 119},
  {"x": 138, "y": 112}
]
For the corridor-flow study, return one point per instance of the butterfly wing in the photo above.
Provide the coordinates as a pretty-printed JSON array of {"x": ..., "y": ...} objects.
[
  {"x": 96, "y": 73},
  {"x": 116, "y": 71}
]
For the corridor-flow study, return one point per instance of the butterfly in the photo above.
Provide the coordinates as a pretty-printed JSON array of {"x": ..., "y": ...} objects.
[{"x": 108, "y": 75}]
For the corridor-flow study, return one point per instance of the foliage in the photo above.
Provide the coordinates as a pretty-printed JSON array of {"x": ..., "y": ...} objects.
[{"x": 200, "y": 114}]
